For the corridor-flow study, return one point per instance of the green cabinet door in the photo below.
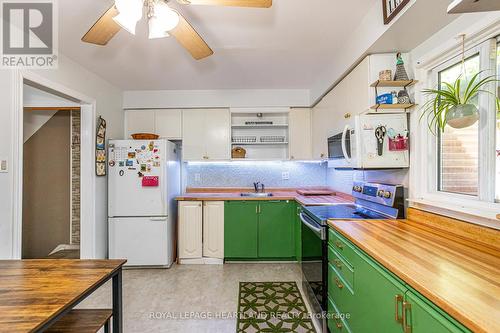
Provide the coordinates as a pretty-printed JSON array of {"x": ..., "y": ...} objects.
[
  {"x": 423, "y": 317},
  {"x": 276, "y": 226},
  {"x": 240, "y": 229},
  {"x": 298, "y": 233},
  {"x": 378, "y": 297}
]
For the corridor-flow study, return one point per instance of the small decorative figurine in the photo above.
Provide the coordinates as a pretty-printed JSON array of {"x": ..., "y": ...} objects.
[{"x": 401, "y": 74}]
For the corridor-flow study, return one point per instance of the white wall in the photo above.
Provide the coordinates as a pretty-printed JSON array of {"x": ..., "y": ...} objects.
[{"x": 109, "y": 105}]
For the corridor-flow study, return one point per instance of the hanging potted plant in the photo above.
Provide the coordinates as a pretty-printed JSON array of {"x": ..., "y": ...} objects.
[{"x": 453, "y": 104}]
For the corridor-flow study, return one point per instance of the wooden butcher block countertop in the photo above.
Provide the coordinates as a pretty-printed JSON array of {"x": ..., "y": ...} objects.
[
  {"x": 225, "y": 194},
  {"x": 454, "y": 264}
]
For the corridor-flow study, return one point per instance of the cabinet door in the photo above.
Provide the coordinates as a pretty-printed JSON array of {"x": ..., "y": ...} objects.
[
  {"x": 190, "y": 229},
  {"x": 276, "y": 229},
  {"x": 139, "y": 121},
  {"x": 298, "y": 233},
  {"x": 193, "y": 135},
  {"x": 168, "y": 124},
  {"x": 217, "y": 134},
  {"x": 422, "y": 317},
  {"x": 240, "y": 229},
  {"x": 378, "y": 298},
  {"x": 213, "y": 229},
  {"x": 320, "y": 130},
  {"x": 299, "y": 121}
]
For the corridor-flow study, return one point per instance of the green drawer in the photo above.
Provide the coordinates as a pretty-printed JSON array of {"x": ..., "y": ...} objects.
[
  {"x": 342, "y": 247},
  {"x": 340, "y": 291},
  {"x": 345, "y": 270},
  {"x": 337, "y": 321}
]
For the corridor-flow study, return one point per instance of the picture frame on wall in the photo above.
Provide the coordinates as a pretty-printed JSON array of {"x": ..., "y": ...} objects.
[{"x": 392, "y": 8}]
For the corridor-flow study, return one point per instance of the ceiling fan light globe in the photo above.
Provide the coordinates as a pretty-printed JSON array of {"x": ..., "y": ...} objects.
[
  {"x": 166, "y": 18},
  {"x": 126, "y": 22},
  {"x": 155, "y": 29}
]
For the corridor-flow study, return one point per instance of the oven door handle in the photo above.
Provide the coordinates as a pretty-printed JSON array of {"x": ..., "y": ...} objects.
[{"x": 313, "y": 226}]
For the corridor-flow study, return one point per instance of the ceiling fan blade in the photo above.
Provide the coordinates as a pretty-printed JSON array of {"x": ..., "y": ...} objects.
[
  {"x": 104, "y": 29},
  {"x": 236, "y": 3},
  {"x": 190, "y": 39}
]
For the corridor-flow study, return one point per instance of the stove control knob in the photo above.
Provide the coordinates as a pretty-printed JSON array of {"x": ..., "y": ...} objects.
[
  {"x": 357, "y": 189},
  {"x": 387, "y": 195},
  {"x": 380, "y": 193}
]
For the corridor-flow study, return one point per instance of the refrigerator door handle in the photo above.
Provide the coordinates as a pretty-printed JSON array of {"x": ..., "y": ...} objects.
[{"x": 164, "y": 218}]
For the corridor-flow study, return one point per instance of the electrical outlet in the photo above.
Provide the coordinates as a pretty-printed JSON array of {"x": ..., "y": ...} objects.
[
  {"x": 197, "y": 177},
  {"x": 3, "y": 166},
  {"x": 285, "y": 175}
]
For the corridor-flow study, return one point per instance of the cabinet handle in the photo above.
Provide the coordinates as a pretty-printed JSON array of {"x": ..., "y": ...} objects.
[
  {"x": 339, "y": 244},
  {"x": 338, "y": 324},
  {"x": 406, "y": 310},
  {"x": 337, "y": 263},
  {"x": 338, "y": 283},
  {"x": 322, "y": 155},
  {"x": 256, "y": 209},
  {"x": 397, "y": 300}
]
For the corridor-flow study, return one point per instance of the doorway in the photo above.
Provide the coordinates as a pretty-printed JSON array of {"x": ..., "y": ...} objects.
[{"x": 51, "y": 176}]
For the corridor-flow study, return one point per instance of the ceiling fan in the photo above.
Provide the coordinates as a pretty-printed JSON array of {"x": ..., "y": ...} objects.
[{"x": 163, "y": 21}]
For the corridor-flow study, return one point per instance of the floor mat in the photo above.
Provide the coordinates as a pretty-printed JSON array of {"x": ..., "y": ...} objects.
[{"x": 272, "y": 307}]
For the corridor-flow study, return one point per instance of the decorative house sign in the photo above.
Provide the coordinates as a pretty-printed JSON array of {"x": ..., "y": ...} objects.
[
  {"x": 100, "y": 149},
  {"x": 392, "y": 8}
]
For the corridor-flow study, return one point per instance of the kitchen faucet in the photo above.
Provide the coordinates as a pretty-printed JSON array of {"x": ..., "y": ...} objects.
[{"x": 259, "y": 187}]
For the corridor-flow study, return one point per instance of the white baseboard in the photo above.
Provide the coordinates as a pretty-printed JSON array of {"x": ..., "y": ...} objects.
[{"x": 201, "y": 261}]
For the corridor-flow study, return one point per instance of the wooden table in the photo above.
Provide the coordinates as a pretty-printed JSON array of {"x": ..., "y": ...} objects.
[{"x": 34, "y": 294}]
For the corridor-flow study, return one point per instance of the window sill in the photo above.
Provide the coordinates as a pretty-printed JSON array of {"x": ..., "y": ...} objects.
[{"x": 477, "y": 212}]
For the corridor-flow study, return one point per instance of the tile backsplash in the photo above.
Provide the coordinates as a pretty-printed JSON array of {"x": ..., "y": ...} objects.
[{"x": 245, "y": 173}]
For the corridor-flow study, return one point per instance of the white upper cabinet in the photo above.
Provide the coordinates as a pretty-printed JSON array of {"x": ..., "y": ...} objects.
[
  {"x": 349, "y": 98},
  {"x": 166, "y": 123},
  {"x": 139, "y": 121},
  {"x": 299, "y": 121},
  {"x": 206, "y": 134}
]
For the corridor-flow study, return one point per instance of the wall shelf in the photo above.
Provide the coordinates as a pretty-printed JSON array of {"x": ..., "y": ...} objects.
[
  {"x": 392, "y": 106},
  {"x": 403, "y": 84},
  {"x": 258, "y": 143},
  {"x": 259, "y": 126}
]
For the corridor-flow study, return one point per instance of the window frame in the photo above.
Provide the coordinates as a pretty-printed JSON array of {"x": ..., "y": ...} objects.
[{"x": 481, "y": 209}]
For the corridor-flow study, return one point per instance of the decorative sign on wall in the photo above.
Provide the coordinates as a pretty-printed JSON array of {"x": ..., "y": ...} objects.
[
  {"x": 392, "y": 8},
  {"x": 100, "y": 148}
]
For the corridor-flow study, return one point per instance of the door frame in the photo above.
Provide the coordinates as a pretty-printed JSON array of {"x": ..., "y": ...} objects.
[{"x": 87, "y": 174}]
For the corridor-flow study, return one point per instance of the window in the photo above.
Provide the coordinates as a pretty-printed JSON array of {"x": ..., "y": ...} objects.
[
  {"x": 497, "y": 155},
  {"x": 459, "y": 148}
]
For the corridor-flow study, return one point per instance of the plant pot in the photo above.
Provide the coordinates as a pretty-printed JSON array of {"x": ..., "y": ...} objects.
[{"x": 463, "y": 115}]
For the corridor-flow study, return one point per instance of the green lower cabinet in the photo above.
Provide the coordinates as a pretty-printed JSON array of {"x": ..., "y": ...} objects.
[
  {"x": 276, "y": 230},
  {"x": 240, "y": 229},
  {"x": 377, "y": 300},
  {"x": 298, "y": 232},
  {"x": 259, "y": 230},
  {"x": 423, "y": 317}
]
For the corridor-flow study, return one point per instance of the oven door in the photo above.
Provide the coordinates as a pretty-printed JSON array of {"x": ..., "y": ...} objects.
[{"x": 314, "y": 263}]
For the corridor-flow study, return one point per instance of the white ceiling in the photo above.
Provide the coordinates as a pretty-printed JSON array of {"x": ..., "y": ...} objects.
[{"x": 284, "y": 47}]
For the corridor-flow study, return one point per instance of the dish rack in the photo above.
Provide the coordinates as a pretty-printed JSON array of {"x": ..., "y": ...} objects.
[
  {"x": 272, "y": 138},
  {"x": 244, "y": 139}
]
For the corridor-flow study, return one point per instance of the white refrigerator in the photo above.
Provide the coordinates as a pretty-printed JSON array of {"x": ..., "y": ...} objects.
[{"x": 143, "y": 181}]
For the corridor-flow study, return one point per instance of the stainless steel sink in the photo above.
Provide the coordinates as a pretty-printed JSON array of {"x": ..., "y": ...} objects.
[{"x": 256, "y": 195}]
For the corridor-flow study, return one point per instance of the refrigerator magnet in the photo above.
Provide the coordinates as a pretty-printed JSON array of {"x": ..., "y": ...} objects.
[
  {"x": 111, "y": 163},
  {"x": 148, "y": 168},
  {"x": 143, "y": 167},
  {"x": 143, "y": 147},
  {"x": 130, "y": 163},
  {"x": 131, "y": 154},
  {"x": 156, "y": 164},
  {"x": 150, "y": 181},
  {"x": 151, "y": 145},
  {"x": 121, "y": 163}
]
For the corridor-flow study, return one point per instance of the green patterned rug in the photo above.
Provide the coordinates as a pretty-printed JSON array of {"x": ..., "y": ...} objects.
[{"x": 272, "y": 307}]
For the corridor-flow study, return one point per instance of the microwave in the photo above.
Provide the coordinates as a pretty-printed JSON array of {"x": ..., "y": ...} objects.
[{"x": 356, "y": 147}]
